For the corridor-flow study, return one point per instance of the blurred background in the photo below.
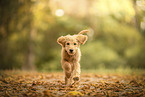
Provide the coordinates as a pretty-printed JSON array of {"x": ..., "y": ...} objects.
[{"x": 29, "y": 30}]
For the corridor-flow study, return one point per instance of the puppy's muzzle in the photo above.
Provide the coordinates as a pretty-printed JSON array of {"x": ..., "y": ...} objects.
[{"x": 71, "y": 50}]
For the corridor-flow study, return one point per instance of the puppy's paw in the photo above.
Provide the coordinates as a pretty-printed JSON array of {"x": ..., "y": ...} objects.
[{"x": 76, "y": 78}]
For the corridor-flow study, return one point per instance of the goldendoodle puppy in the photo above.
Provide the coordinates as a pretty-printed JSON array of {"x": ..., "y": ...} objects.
[{"x": 71, "y": 54}]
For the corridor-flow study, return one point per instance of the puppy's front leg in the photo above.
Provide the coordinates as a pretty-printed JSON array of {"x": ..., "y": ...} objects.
[
  {"x": 68, "y": 71},
  {"x": 77, "y": 72}
]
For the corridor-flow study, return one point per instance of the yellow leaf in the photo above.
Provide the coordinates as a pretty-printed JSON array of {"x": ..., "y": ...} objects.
[{"x": 73, "y": 93}]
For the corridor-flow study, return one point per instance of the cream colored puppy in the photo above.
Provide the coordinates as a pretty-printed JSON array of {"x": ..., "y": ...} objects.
[{"x": 70, "y": 55}]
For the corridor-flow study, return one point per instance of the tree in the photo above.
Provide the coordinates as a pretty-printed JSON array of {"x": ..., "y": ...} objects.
[{"x": 15, "y": 21}]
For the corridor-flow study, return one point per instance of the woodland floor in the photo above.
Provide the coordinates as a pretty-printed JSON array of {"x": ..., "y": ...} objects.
[{"x": 34, "y": 84}]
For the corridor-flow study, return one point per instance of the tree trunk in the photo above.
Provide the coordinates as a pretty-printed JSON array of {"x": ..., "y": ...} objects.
[
  {"x": 136, "y": 22},
  {"x": 29, "y": 55}
]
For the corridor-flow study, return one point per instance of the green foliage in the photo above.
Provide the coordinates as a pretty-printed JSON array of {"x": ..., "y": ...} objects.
[
  {"x": 98, "y": 55},
  {"x": 51, "y": 62},
  {"x": 29, "y": 30}
]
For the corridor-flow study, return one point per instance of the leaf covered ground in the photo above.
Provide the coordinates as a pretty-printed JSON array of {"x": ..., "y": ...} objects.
[{"x": 34, "y": 84}]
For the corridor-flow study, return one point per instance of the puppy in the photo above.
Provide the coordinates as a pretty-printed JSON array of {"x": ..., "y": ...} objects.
[{"x": 70, "y": 55}]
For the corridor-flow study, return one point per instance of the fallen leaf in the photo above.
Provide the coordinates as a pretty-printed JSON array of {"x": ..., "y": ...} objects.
[
  {"x": 47, "y": 93},
  {"x": 74, "y": 93}
]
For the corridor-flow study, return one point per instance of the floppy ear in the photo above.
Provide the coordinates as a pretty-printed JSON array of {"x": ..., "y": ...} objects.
[
  {"x": 82, "y": 38},
  {"x": 61, "y": 40}
]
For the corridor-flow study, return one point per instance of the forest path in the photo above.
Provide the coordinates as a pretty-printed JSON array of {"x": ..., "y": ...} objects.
[{"x": 52, "y": 84}]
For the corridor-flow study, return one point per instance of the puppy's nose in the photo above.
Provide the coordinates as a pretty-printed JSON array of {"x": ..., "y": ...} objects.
[{"x": 71, "y": 50}]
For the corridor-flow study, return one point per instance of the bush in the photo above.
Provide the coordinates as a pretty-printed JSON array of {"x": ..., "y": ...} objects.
[{"x": 97, "y": 55}]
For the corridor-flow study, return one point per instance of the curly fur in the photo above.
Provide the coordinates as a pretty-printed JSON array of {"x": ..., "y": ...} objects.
[{"x": 71, "y": 55}]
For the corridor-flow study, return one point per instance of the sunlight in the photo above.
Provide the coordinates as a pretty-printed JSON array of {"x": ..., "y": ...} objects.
[
  {"x": 142, "y": 24},
  {"x": 59, "y": 12}
]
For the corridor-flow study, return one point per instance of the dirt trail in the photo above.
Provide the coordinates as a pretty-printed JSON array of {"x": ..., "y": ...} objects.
[{"x": 52, "y": 84}]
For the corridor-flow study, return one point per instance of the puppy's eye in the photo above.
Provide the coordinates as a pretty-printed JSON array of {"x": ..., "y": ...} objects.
[
  {"x": 67, "y": 43},
  {"x": 74, "y": 43}
]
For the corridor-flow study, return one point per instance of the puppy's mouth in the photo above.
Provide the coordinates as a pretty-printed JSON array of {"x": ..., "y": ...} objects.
[{"x": 71, "y": 53}]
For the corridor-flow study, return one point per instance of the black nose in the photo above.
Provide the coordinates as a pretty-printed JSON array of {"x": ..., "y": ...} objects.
[{"x": 71, "y": 50}]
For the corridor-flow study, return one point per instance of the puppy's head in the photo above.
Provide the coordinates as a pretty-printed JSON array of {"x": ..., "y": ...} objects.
[{"x": 72, "y": 43}]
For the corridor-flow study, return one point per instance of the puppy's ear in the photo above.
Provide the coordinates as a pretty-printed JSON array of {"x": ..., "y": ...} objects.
[
  {"x": 61, "y": 40},
  {"x": 82, "y": 38},
  {"x": 84, "y": 32}
]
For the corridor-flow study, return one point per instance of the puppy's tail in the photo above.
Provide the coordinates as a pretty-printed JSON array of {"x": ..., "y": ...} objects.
[{"x": 83, "y": 32}]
